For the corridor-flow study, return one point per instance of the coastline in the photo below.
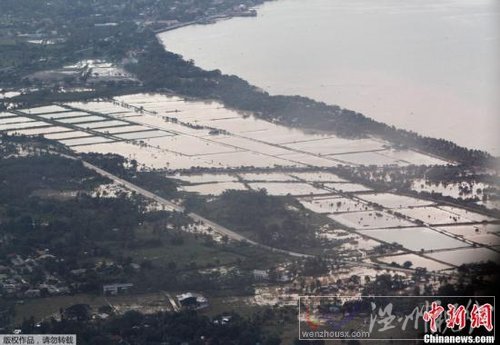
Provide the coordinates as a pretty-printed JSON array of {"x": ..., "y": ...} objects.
[
  {"x": 207, "y": 20},
  {"x": 427, "y": 110},
  {"x": 414, "y": 137}
]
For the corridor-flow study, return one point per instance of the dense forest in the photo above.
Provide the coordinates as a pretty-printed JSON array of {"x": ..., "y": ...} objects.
[
  {"x": 186, "y": 327},
  {"x": 280, "y": 222},
  {"x": 39, "y": 199}
]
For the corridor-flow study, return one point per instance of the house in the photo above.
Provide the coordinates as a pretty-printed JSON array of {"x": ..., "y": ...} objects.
[
  {"x": 52, "y": 289},
  {"x": 16, "y": 261},
  {"x": 223, "y": 320},
  {"x": 260, "y": 275},
  {"x": 191, "y": 300},
  {"x": 78, "y": 272},
  {"x": 135, "y": 267},
  {"x": 115, "y": 289},
  {"x": 32, "y": 293}
]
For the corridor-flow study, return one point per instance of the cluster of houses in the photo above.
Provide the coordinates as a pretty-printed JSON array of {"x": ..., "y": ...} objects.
[
  {"x": 15, "y": 268},
  {"x": 278, "y": 275},
  {"x": 32, "y": 277}
]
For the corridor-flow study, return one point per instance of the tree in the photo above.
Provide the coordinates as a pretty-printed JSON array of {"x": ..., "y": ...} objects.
[{"x": 407, "y": 264}]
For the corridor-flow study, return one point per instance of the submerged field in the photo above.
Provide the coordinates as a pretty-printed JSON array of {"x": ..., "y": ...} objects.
[{"x": 178, "y": 136}]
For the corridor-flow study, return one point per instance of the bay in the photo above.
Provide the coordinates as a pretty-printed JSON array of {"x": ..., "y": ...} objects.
[{"x": 427, "y": 66}]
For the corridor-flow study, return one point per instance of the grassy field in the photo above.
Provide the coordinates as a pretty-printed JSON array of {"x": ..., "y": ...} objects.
[
  {"x": 44, "y": 308},
  {"x": 221, "y": 305},
  {"x": 196, "y": 251}
]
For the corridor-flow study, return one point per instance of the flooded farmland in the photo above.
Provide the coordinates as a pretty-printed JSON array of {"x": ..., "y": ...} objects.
[{"x": 180, "y": 136}]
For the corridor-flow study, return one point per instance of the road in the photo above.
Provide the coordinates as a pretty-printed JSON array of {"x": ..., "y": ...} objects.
[
  {"x": 217, "y": 227},
  {"x": 174, "y": 207}
]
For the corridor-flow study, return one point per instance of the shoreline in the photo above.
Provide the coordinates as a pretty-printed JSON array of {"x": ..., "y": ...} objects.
[
  {"x": 490, "y": 149},
  {"x": 207, "y": 20}
]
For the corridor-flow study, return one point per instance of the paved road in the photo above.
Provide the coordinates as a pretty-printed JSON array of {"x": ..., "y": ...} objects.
[
  {"x": 174, "y": 207},
  {"x": 217, "y": 227}
]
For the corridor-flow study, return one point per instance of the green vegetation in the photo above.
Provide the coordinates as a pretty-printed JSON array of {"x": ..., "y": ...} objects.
[
  {"x": 152, "y": 181},
  {"x": 58, "y": 236},
  {"x": 37, "y": 221},
  {"x": 78, "y": 24},
  {"x": 171, "y": 328},
  {"x": 402, "y": 179},
  {"x": 280, "y": 222},
  {"x": 158, "y": 68}
]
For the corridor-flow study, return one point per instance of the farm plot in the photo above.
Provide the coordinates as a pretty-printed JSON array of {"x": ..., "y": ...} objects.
[
  {"x": 389, "y": 200},
  {"x": 370, "y": 220},
  {"x": 104, "y": 107},
  {"x": 57, "y": 116},
  {"x": 367, "y": 158},
  {"x": 159, "y": 123},
  {"x": 15, "y": 126},
  {"x": 472, "y": 229},
  {"x": 144, "y": 98},
  {"x": 167, "y": 104},
  {"x": 40, "y": 131},
  {"x": 9, "y": 94},
  {"x": 83, "y": 119},
  {"x": 84, "y": 141},
  {"x": 412, "y": 157},
  {"x": 251, "y": 145},
  {"x": 333, "y": 205},
  {"x": 472, "y": 216},
  {"x": 433, "y": 215},
  {"x": 238, "y": 125},
  {"x": 147, "y": 157},
  {"x": 454, "y": 190},
  {"x": 335, "y": 145},
  {"x": 124, "y": 129},
  {"x": 204, "y": 178},
  {"x": 361, "y": 243},
  {"x": 317, "y": 176},
  {"x": 351, "y": 241},
  {"x": 244, "y": 159},
  {"x": 213, "y": 188},
  {"x": 459, "y": 257},
  {"x": 3, "y": 114},
  {"x": 282, "y": 135},
  {"x": 103, "y": 124},
  {"x": 189, "y": 145},
  {"x": 267, "y": 177},
  {"x": 283, "y": 188},
  {"x": 336, "y": 234},
  {"x": 14, "y": 120},
  {"x": 138, "y": 99},
  {"x": 205, "y": 114},
  {"x": 122, "y": 114},
  {"x": 416, "y": 261},
  {"x": 310, "y": 160},
  {"x": 44, "y": 110},
  {"x": 491, "y": 240},
  {"x": 347, "y": 187},
  {"x": 184, "y": 110},
  {"x": 416, "y": 239},
  {"x": 143, "y": 135},
  {"x": 67, "y": 135}
]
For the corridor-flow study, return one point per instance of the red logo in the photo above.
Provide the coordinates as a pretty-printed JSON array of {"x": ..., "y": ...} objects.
[{"x": 456, "y": 316}]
